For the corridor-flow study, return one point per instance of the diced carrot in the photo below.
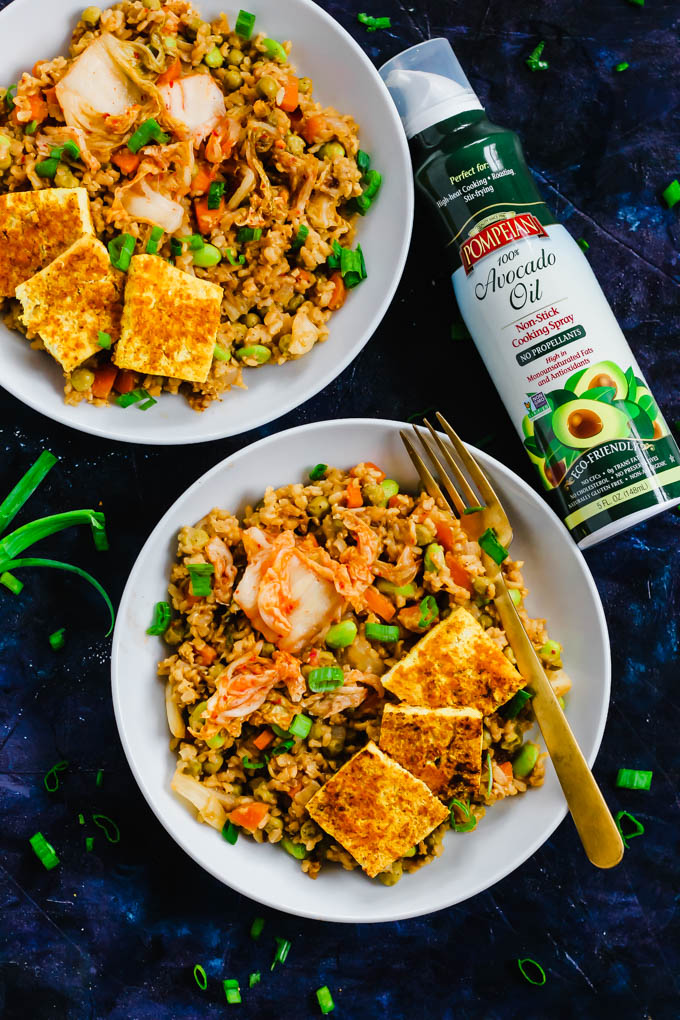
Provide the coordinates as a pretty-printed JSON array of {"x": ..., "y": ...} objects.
[
  {"x": 458, "y": 572},
  {"x": 53, "y": 105},
  {"x": 506, "y": 767},
  {"x": 263, "y": 739},
  {"x": 353, "y": 494},
  {"x": 192, "y": 599},
  {"x": 171, "y": 26},
  {"x": 393, "y": 501},
  {"x": 126, "y": 161},
  {"x": 38, "y": 108},
  {"x": 125, "y": 381},
  {"x": 379, "y": 604},
  {"x": 201, "y": 181},
  {"x": 313, "y": 128},
  {"x": 206, "y": 218},
  {"x": 207, "y": 655},
  {"x": 104, "y": 378},
  {"x": 171, "y": 74},
  {"x": 445, "y": 535},
  {"x": 339, "y": 292},
  {"x": 250, "y": 816},
  {"x": 409, "y": 617},
  {"x": 290, "y": 100}
]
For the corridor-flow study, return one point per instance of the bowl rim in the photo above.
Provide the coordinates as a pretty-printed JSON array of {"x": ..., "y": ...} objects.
[
  {"x": 64, "y": 414},
  {"x": 158, "y": 532}
]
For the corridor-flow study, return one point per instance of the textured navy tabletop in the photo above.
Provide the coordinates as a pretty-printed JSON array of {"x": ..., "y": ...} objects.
[{"x": 116, "y": 932}]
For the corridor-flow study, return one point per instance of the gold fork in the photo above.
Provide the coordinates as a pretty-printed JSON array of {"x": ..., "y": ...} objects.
[{"x": 593, "y": 820}]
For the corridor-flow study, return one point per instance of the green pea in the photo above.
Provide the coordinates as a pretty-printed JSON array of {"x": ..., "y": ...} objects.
[
  {"x": 295, "y": 144},
  {"x": 485, "y": 621},
  {"x": 5, "y": 156},
  {"x": 268, "y": 650},
  {"x": 193, "y": 768},
  {"x": 232, "y": 79},
  {"x": 284, "y": 342},
  {"x": 331, "y": 150},
  {"x": 214, "y": 764},
  {"x": 424, "y": 535},
  {"x": 294, "y": 849},
  {"x": 82, "y": 379},
  {"x": 252, "y": 319},
  {"x": 268, "y": 87},
  {"x": 254, "y": 352},
  {"x": 390, "y": 588},
  {"x": 152, "y": 5},
  {"x": 216, "y": 741},
  {"x": 411, "y": 853},
  {"x": 524, "y": 761},
  {"x": 213, "y": 58},
  {"x": 341, "y": 634},
  {"x": 433, "y": 550},
  {"x": 234, "y": 56},
  {"x": 195, "y": 719},
  {"x": 304, "y": 85},
  {"x": 91, "y": 16},
  {"x": 318, "y": 507},
  {"x": 295, "y": 302},
  {"x": 207, "y": 256},
  {"x": 175, "y": 633}
]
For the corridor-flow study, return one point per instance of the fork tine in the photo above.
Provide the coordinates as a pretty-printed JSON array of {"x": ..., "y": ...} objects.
[
  {"x": 469, "y": 494},
  {"x": 448, "y": 484},
  {"x": 473, "y": 468},
  {"x": 424, "y": 473}
]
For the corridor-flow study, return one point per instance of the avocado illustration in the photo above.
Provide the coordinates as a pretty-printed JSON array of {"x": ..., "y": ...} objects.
[
  {"x": 603, "y": 374},
  {"x": 527, "y": 426},
  {"x": 551, "y": 472},
  {"x": 584, "y": 423}
]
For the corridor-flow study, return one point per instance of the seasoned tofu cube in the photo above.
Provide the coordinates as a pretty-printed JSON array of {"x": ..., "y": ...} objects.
[
  {"x": 455, "y": 665},
  {"x": 170, "y": 321},
  {"x": 376, "y": 809},
  {"x": 72, "y": 300},
  {"x": 35, "y": 227},
  {"x": 441, "y": 746}
]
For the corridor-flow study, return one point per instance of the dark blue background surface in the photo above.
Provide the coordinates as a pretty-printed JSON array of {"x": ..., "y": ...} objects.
[{"x": 116, "y": 933}]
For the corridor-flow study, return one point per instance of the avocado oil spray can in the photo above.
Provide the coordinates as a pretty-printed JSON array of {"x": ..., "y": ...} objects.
[{"x": 534, "y": 308}]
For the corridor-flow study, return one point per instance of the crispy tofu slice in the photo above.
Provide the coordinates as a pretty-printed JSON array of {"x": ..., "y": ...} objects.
[
  {"x": 35, "y": 227},
  {"x": 376, "y": 809},
  {"x": 441, "y": 746},
  {"x": 456, "y": 665},
  {"x": 170, "y": 321},
  {"x": 73, "y": 299}
]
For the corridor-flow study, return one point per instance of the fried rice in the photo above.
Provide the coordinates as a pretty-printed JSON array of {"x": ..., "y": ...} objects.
[
  {"x": 288, "y": 167},
  {"x": 225, "y": 768}
]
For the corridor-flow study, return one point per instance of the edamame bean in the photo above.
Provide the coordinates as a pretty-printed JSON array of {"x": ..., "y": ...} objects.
[
  {"x": 524, "y": 761},
  {"x": 294, "y": 849},
  {"x": 284, "y": 342},
  {"x": 295, "y": 302},
  {"x": 254, "y": 352},
  {"x": 515, "y": 596},
  {"x": 82, "y": 379},
  {"x": 390, "y": 487},
  {"x": 207, "y": 256},
  {"x": 341, "y": 634},
  {"x": 63, "y": 178},
  {"x": 304, "y": 85}
]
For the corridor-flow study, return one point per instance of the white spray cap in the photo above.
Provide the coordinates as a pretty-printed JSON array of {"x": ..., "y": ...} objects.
[{"x": 428, "y": 85}]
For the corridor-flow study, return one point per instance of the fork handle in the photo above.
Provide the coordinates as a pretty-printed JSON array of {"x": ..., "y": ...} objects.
[{"x": 593, "y": 820}]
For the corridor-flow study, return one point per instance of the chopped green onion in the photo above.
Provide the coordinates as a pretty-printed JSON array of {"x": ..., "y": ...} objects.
[
  {"x": 489, "y": 782},
  {"x": 341, "y": 634},
  {"x": 671, "y": 194},
  {"x": 295, "y": 850},
  {"x": 89, "y": 844},
  {"x": 231, "y": 257},
  {"x": 373, "y": 24},
  {"x": 51, "y": 779},
  {"x": 219, "y": 353},
  {"x": 147, "y": 404},
  {"x": 363, "y": 160},
  {"x": 127, "y": 399},
  {"x": 364, "y": 201},
  {"x": 429, "y": 562},
  {"x": 10, "y": 95},
  {"x": 100, "y": 777},
  {"x": 582, "y": 243},
  {"x": 637, "y": 830},
  {"x": 230, "y": 832},
  {"x": 109, "y": 827},
  {"x": 195, "y": 241},
  {"x": 389, "y": 588},
  {"x": 154, "y": 238},
  {"x": 318, "y": 472},
  {"x": 25, "y": 487},
  {"x": 534, "y": 62},
  {"x": 248, "y": 764},
  {"x": 282, "y": 950},
  {"x": 35, "y": 561},
  {"x": 469, "y": 823},
  {"x": 492, "y": 547},
  {"x": 46, "y": 167},
  {"x": 104, "y": 339},
  {"x": 382, "y": 632},
  {"x": 28, "y": 534},
  {"x": 149, "y": 131},
  {"x": 99, "y": 536},
  {"x": 200, "y": 977},
  {"x": 254, "y": 979},
  {"x": 244, "y": 24},
  {"x": 31, "y": 127},
  {"x": 200, "y": 574},
  {"x": 300, "y": 726},
  {"x": 300, "y": 237},
  {"x": 623, "y": 66},
  {"x": 638, "y": 3},
  {"x": 232, "y": 991},
  {"x": 473, "y": 509},
  {"x": 176, "y": 247},
  {"x": 248, "y": 234},
  {"x": 634, "y": 779},
  {"x": 69, "y": 147},
  {"x": 215, "y": 193},
  {"x": 325, "y": 1000},
  {"x": 531, "y": 971},
  {"x": 257, "y": 928},
  {"x": 429, "y": 611},
  {"x": 325, "y": 678},
  {"x": 513, "y": 707},
  {"x": 81, "y": 819},
  {"x": 44, "y": 851},
  {"x": 278, "y": 731},
  {"x": 275, "y": 50},
  {"x": 11, "y": 582},
  {"x": 281, "y": 748},
  {"x": 56, "y": 639},
  {"x": 121, "y": 249}
]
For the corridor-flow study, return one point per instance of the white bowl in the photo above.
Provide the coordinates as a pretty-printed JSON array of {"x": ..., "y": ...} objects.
[
  {"x": 561, "y": 590},
  {"x": 344, "y": 78}
]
